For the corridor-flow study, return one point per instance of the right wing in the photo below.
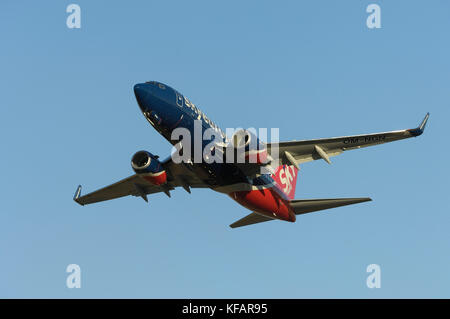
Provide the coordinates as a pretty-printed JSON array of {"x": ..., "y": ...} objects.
[
  {"x": 296, "y": 152},
  {"x": 179, "y": 175}
]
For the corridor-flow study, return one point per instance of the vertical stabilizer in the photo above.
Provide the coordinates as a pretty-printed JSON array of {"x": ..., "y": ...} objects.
[{"x": 286, "y": 178}]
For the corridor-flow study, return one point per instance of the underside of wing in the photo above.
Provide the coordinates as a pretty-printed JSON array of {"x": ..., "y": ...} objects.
[
  {"x": 296, "y": 152},
  {"x": 303, "y": 206},
  {"x": 179, "y": 175},
  {"x": 251, "y": 219},
  {"x": 133, "y": 185}
]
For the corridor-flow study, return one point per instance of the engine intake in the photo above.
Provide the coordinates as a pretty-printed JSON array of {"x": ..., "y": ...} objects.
[
  {"x": 149, "y": 167},
  {"x": 248, "y": 148}
]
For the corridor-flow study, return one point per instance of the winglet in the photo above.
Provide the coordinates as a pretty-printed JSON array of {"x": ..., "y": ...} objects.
[
  {"x": 419, "y": 130},
  {"x": 77, "y": 194}
]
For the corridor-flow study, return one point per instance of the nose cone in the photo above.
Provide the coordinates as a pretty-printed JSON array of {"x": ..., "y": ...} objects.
[
  {"x": 156, "y": 102},
  {"x": 141, "y": 92}
]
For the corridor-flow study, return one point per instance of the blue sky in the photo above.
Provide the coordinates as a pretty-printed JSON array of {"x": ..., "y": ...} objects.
[{"x": 311, "y": 68}]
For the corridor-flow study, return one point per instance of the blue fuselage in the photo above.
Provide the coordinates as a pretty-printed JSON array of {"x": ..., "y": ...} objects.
[{"x": 166, "y": 110}]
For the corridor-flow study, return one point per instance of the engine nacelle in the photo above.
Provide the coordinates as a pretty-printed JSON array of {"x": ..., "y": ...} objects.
[
  {"x": 149, "y": 167},
  {"x": 249, "y": 148}
]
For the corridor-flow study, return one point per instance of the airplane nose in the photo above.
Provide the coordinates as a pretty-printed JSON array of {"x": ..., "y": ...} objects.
[
  {"x": 153, "y": 101},
  {"x": 140, "y": 91}
]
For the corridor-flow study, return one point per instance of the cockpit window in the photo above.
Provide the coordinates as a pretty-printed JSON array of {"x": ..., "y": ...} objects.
[{"x": 160, "y": 85}]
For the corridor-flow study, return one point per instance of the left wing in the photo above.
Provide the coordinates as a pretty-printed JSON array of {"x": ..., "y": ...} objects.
[
  {"x": 296, "y": 152},
  {"x": 178, "y": 175},
  {"x": 132, "y": 185}
]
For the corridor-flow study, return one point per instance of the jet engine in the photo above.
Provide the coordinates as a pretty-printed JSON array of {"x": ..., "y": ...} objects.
[
  {"x": 149, "y": 167},
  {"x": 248, "y": 148}
]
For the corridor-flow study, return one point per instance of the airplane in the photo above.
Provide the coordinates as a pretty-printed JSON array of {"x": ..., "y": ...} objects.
[{"x": 269, "y": 193}]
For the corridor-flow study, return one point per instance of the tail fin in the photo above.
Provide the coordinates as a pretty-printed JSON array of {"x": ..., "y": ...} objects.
[{"x": 286, "y": 178}]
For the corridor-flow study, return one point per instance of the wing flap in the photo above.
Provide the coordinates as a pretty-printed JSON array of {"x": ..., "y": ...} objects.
[{"x": 303, "y": 206}]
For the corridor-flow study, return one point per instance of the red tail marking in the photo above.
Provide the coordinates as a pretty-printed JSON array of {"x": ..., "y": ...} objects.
[{"x": 286, "y": 178}]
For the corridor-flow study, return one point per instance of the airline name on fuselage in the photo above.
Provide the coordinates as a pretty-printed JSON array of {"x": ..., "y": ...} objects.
[{"x": 199, "y": 114}]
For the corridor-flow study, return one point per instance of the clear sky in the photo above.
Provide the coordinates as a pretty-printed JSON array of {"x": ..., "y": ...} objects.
[{"x": 311, "y": 68}]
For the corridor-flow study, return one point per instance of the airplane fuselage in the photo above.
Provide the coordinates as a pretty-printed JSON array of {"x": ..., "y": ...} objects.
[{"x": 166, "y": 110}]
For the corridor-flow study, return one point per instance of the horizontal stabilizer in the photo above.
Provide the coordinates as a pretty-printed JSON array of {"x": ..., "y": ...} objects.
[
  {"x": 303, "y": 206},
  {"x": 253, "y": 218}
]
